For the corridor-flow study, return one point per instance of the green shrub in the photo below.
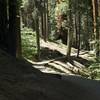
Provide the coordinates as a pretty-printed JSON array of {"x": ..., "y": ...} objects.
[
  {"x": 29, "y": 48},
  {"x": 95, "y": 69}
]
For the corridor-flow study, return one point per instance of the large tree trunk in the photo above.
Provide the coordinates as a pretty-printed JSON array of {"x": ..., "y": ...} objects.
[
  {"x": 12, "y": 27},
  {"x": 14, "y": 36},
  {"x": 3, "y": 25},
  {"x": 95, "y": 22},
  {"x": 9, "y": 26}
]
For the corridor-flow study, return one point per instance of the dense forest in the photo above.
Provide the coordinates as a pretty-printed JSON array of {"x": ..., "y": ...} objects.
[
  {"x": 60, "y": 17},
  {"x": 72, "y": 23},
  {"x": 60, "y": 37},
  {"x": 76, "y": 23}
]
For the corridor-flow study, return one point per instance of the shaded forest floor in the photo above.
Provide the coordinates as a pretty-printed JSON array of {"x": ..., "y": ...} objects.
[{"x": 19, "y": 80}]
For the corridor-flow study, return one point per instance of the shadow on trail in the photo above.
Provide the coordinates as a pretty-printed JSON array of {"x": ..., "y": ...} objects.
[
  {"x": 59, "y": 62},
  {"x": 83, "y": 61},
  {"x": 47, "y": 54},
  {"x": 80, "y": 60},
  {"x": 19, "y": 80}
]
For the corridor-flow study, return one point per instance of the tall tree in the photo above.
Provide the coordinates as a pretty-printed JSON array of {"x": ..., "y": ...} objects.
[
  {"x": 18, "y": 33},
  {"x": 12, "y": 27},
  {"x": 36, "y": 19},
  {"x": 9, "y": 26},
  {"x": 3, "y": 25},
  {"x": 95, "y": 23},
  {"x": 78, "y": 31},
  {"x": 69, "y": 42},
  {"x": 75, "y": 22},
  {"x": 14, "y": 36}
]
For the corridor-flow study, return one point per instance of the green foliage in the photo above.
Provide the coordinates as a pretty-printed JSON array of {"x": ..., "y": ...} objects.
[
  {"x": 28, "y": 43},
  {"x": 54, "y": 9},
  {"x": 19, "y": 3},
  {"x": 64, "y": 7},
  {"x": 24, "y": 2},
  {"x": 52, "y": 15},
  {"x": 95, "y": 69}
]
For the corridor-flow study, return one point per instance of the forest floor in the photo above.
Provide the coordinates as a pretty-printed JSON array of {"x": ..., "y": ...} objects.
[
  {"x": 20, "y": 80},
  {"x": 53, "y": 60}
]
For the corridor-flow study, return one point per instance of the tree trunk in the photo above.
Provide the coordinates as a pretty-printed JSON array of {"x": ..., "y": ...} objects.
[
  {"x": 9, "y": 26},
  {"x": 14, "y": 35},
  {"x": 79, "y": 25},
  {"x": 3, "y": 25},
  {"x": 86, "y": 37},
  {"x": 46, "y": 20},
  {"x": 18, "y": 33},
  {"x": 69, "y": 40},
  {"x": 96, "y": 30},
  {"x": 42, "y": 27},
  {"x": 75, "y": 24},
  {"x": 12, "y": 27},
  {"x": 78, "y": 28},
  {"x": 98, "y": 34},
  {"x": 37, "y": 32},
  {"x": 38, "y": 38}
]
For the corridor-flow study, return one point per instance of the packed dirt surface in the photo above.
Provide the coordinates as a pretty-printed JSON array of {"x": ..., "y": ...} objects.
[{"x": 19, "y": 80}]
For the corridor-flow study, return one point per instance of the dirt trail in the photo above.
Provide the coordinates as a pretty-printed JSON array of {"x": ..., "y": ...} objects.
[
  {"x": 19, "y": 80},
  {"x": 53, "y": 60},
  {"x": 61, "y": 48},
  {"x": 54, "y": 46}
]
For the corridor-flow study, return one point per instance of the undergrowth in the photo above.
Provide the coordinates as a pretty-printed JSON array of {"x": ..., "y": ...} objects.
[
  {"x": 29, "y": 48},
  {"x": 95, "y": 69}
]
